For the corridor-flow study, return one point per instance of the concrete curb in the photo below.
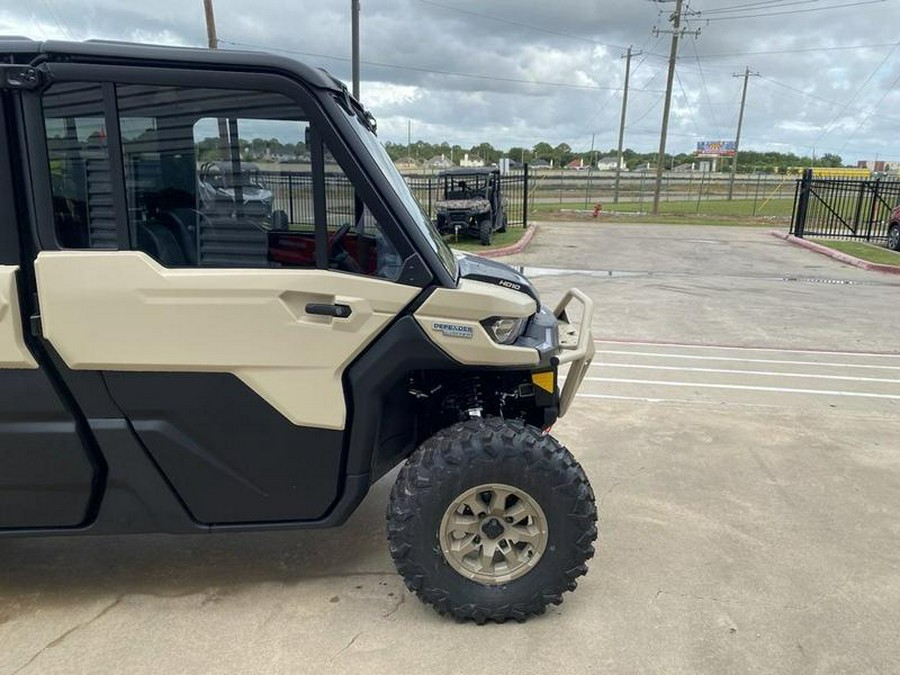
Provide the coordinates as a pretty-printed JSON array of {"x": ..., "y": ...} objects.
[
  {"x": 836, "y": 255},
  {"x": 512, "y": 249}
]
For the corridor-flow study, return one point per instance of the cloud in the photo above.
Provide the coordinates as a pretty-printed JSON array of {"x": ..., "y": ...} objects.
[{"x": 515, "y": 72}]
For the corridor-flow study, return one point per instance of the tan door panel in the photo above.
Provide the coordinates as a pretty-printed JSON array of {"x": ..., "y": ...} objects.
[
  {"x": 121, "y": 310},
  {"x": 13, "y": 352}
]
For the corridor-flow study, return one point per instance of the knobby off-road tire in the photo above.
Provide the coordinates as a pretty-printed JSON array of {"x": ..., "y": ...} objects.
[
  {"x": 503, "y": 455},
  {"x": 485, "y": 231}
]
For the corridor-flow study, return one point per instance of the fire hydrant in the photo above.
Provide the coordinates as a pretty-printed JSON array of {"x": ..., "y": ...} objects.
[{"x": 597, "y": 209}]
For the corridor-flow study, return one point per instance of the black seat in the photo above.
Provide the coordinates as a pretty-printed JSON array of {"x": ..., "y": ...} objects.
[
  {"x": 157, "y": 241},
  {"x": 183, "y": 223}
]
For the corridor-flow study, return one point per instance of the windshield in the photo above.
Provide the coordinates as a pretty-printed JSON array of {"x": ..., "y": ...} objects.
[{"x": 421, "y": 218}]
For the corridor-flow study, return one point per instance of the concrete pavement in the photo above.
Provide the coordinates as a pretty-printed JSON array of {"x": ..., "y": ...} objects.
[{"x": 742, "y": 529}]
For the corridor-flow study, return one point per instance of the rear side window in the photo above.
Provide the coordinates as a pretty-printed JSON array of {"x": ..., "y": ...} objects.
[
  {"x": 212, "y": 178},
  {"x": 78, "y": 149}
]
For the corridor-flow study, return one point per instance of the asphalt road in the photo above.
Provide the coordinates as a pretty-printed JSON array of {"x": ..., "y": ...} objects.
[{"x": 740, "y": 429}]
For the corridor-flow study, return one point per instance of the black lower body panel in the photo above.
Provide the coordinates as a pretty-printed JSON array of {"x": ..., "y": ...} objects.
[
  {"x": 48, "y": 475},
  {"x": 230, "y": 456}
]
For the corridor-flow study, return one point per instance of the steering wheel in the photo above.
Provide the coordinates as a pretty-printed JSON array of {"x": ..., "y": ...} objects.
[
  {"x": 339, "y": 254},
  {"x": 336, "y": 238}
]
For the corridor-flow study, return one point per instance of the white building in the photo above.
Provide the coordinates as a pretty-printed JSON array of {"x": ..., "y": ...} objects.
[
  {"x": 439, "y": 162},
  {"x": 609, "y": 164},
  {"x": 470, "y": 162}
]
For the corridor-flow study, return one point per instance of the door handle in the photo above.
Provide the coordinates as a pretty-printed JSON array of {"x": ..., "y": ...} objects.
[{"x": 336, "y": 310}]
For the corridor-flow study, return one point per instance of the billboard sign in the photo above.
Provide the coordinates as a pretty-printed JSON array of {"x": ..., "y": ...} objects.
[{"x": 715, "y": 149}]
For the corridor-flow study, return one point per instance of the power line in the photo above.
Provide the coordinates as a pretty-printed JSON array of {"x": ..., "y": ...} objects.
[
  {"x": 815, "y": 97},
  {"x": 794, "y": 11},
  {"x": 828, "y": 127},
  {"x": 866, "y": 117},
  {"x": 757, "y": 6},
  {"x": 433, "y": 71},
  {"x": 795, "y": 51},
  {"x": 643, "y": 115},
  {"x": 712, "y": 111},
  {"x": 687, "y": 103},
  {"x": 60, "y": 22},
  {"x": 596, "y": 114}
]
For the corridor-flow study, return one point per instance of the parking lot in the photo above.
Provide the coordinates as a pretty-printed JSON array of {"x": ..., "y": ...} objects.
[{"x": 740, "y": 427}]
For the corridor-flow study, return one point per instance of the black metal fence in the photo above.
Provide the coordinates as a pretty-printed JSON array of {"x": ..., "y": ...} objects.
[
  {"x": 292, "y": 192},
  {"x": 841, "y": 208}
]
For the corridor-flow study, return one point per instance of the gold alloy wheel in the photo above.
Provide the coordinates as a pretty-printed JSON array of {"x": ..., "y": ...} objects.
[{"x": 493, "y": 534}]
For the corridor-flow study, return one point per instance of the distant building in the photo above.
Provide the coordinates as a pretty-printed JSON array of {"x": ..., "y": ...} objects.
[
  {"x": 609, "y": 164},
  {"x": 406, "y": 164},
  {"x": 878, "y": 166},
  {"x": 577, "y": 164},
  {"x": 471, "y": 162},
  {"x": 540, "y": 164},
  {"x": 438, "y": 162}
]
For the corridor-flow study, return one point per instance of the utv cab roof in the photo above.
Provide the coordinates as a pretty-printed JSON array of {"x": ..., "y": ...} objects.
[
  {"x": 479, "y": 170},
  {"x": 25, "y": 51}
]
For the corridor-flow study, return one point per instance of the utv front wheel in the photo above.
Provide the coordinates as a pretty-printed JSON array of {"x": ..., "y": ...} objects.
[
  {"x": 491, "y": 520},
  {"x": 485, "y": 231}
]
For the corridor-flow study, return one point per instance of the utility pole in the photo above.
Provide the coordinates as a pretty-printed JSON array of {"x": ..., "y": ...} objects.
[
  {"x": 627, "y": 58},
  {"x": 737, "y": 142},
  {"x": 587, "y": 190},
  {"x": 677, "y": 32},
  {"x": 354, "y": 10},
  {"x": 213, "y": 42},
  {"x": 211, "y": 37}
]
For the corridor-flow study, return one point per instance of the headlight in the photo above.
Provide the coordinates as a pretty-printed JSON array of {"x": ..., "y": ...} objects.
[{"x": 504, "y": 330}]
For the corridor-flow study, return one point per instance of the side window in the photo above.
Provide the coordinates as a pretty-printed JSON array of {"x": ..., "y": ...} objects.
[
  {"x": 213, "y": 178},
  {"x": 356, "y": 242},
  {"x": 78, "y": 151}
]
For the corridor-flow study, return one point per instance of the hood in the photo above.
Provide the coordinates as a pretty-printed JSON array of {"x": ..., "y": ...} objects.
[{"x": 493, "y": 272}]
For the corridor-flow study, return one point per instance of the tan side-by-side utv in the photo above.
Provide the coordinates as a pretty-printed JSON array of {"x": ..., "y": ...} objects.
[{"x": 187, "y": 350}]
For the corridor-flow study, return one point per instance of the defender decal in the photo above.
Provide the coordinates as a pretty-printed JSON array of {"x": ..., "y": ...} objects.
[{"x": 454, "y": 330}]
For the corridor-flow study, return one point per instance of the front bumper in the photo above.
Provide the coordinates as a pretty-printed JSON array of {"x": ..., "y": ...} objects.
[{"x": 576, "y": 345}]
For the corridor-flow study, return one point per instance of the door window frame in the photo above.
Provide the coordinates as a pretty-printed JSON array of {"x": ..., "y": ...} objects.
[
  {"x": 322, "y": 132},
  {"x": 9, "y": 226}
]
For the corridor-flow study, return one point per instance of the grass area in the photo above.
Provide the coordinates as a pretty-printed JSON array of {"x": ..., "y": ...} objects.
[
  {"x": 715, "y": 207},
  {"x": 500, "y": 239},
  {"x": 863, "y": 250},
  {"x": 713, "y": 212}
]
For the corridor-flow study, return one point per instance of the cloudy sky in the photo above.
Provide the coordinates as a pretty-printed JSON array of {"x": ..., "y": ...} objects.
[{"x": 515, "y": 72}]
